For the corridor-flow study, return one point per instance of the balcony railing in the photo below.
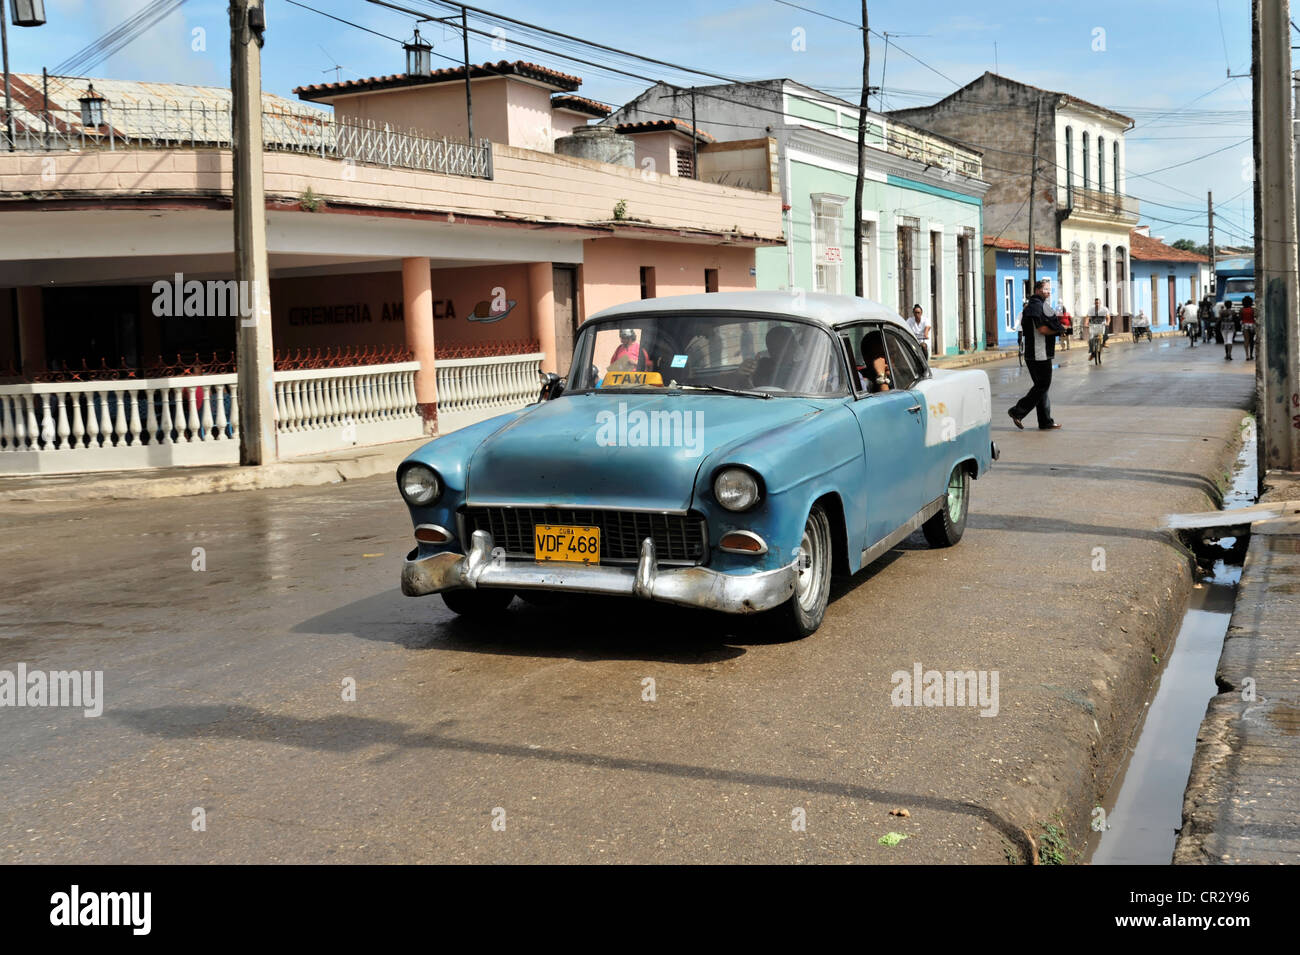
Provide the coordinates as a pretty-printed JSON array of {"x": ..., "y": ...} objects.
[
  {"x": 1106, "y": 203},
  {"x": 173, "y": 126}
]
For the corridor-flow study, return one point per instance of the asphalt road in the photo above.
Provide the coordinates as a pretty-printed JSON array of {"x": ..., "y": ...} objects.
[{"x": 223, "y": 687}]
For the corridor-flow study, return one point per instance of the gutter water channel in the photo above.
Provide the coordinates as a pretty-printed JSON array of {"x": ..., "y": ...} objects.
[{"x": 1143, "y": 807}]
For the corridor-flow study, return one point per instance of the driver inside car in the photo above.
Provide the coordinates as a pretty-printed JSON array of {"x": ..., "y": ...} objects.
[{"x": 776, "y": 367}]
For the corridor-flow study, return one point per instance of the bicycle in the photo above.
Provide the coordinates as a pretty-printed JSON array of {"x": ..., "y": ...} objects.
[{"x": 1096, "y": 341}]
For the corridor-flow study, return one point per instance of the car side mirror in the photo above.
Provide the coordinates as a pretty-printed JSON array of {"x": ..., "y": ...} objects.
[{"x": 552, "y": 386}]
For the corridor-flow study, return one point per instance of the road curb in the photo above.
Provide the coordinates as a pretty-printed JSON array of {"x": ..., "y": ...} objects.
[{"x": 311, "y": 473}]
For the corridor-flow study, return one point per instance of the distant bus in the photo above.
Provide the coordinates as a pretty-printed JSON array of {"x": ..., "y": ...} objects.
[{"x": 1234, "y": 280}]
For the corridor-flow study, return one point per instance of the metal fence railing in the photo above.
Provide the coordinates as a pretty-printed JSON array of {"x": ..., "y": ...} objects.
[{"x": 177, "y": 126}]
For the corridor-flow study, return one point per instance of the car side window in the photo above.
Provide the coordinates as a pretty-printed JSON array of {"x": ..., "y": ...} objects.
[
  {"x": 907, "y": 369},
  {"x": 874, "y": 366}
]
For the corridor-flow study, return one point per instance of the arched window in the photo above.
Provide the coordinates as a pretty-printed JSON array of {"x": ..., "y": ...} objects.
[
  {"x": 1092, "y": 272},
  {"x": 1086, "y": 160},
  {"x": 1076, "y": 271},
  {"x": 1105, "y": 276},
  {"x": 1069, "y": 164},
  {"x": 1121, "y": 281},
  {"x": 1101, "y": 164},
  {"x": 1114, "y": 166}
]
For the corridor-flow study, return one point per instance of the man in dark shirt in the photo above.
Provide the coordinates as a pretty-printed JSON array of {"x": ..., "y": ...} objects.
[{"x": 1040, "y": 326}]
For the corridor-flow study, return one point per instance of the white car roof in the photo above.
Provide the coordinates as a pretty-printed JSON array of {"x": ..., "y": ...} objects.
[{"x": 829, "y": 310}]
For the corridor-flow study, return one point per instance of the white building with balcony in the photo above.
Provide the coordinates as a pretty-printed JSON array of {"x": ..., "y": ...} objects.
[{"x": 1079, "y": 204}]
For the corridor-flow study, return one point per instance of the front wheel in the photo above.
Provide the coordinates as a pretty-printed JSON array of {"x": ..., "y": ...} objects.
[
  {"x": 486, "y": 602},
  {"x": 804, "y": 611},
  {"x": 947, "y": 527}
]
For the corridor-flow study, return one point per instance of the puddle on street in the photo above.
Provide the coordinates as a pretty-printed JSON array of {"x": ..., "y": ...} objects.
[{"x": 1144, "y": 805}]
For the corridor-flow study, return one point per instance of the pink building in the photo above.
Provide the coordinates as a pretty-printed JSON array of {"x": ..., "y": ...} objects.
[{"x": 418, "y": 281}]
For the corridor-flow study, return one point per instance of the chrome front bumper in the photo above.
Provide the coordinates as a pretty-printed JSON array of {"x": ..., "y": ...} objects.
[{"x": 487, "y": 566}]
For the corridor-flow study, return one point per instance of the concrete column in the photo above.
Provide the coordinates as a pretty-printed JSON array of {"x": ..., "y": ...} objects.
[
  {"x": 417, "y": 314},
  {"x": 541, "y": 287},
  {"x": 31, "y": 330}
]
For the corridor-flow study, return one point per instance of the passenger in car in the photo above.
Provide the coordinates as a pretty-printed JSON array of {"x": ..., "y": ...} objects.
[{"x": 877, "y": 377}]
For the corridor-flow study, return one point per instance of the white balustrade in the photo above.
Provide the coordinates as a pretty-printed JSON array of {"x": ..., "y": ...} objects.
[
  {"x": 194, "y": 420},
  {"x": 326, "y": 409},
  {"x": 472, "y": 389}
]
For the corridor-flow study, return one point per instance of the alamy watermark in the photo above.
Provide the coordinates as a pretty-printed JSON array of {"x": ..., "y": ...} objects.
[
  {"x": 82, "y": 689},
  {"x": 923, "y": 687},
  {"x": 651, "y": 429},
  {"x": 214, "y": 298}
]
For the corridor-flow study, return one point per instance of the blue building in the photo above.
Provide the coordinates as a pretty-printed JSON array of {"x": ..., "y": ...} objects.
[
  {"x": 1006, "y": 285},
  {"x": 1164, "y": 278}
]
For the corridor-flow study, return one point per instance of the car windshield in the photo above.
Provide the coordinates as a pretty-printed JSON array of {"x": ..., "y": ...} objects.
[
  {"x": 748, "y": 353},
  {"x": 1242, "y": 286}
]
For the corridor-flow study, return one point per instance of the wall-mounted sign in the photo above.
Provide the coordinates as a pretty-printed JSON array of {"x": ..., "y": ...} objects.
[
  {"x": 1021, "y": 260},
  {"x": 354, "y": 313}
]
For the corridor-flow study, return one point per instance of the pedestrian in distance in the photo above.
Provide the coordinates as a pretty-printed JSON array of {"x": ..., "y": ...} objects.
[
  {"x": 1226, "y": 328},
  {"x": 1194, "y": 319},
  {"x": 1067, "y": 324},
  {"x": 920, "y": 327},
  {"x": 1248, "y": 326},
  {"x": 1040, "y": 327},
  {"x": 1100, "y": 313}
]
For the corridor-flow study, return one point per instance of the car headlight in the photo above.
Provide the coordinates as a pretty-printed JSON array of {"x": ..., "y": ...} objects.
[
  {"x": 420, "y": 485},
  {"x": 736, "y": 489}
]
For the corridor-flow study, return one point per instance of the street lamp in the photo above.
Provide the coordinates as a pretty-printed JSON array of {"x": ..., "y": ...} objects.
[
  {"x": 92, "y": 108},
  {"x": 27, "y": 13},
  {"x": 419, "y": 56}
]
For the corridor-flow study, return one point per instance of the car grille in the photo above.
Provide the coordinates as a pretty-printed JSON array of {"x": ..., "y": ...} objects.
[{"x": 679, "y": 538}]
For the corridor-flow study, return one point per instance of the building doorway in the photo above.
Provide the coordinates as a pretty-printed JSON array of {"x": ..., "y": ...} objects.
[{"x": 564, "y": 280}]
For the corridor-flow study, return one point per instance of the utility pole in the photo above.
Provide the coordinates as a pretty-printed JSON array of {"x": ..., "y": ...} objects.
[
  {"x": 695, "y": 141},
  {"x": 469, "y": 98},
  {"x": 1033, "y": 188},
  {"x": 255, "y": 359},
  {"x": 862, "y": 156},
  {"x": 1276, "y": 281},
  {"x": 1213, "y": 257},
  {"x": 4, "y": 44}
]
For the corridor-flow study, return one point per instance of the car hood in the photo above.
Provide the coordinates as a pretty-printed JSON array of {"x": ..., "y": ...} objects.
[{"x": 625, "y": 450}]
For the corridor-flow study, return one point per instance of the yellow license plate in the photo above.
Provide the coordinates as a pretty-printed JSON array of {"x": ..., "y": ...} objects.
[{"x": 567, "y": 542}]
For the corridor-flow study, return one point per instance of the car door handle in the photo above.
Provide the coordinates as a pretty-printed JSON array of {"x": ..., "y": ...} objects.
[{"x": 914, "y": 409}]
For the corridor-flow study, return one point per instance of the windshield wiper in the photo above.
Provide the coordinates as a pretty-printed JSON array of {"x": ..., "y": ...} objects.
[{"x": 726, "y": 391}]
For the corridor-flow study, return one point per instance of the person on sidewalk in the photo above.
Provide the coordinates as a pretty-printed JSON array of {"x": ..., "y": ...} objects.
[
  {"x": 1041, "y": 327},
  {"x": 919, "y": 327},
  {"x": 1248, "y": 326},
  {"x": 1067, "y": 324}
]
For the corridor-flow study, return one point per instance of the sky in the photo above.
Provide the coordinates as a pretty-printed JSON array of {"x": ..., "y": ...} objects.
[{"x": 1163, "y": 62}]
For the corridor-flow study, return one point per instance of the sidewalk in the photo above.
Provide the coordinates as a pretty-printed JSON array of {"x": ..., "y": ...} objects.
[
  {"x": 1242, "y": 803},
  {"x": 308, "y": 471}
]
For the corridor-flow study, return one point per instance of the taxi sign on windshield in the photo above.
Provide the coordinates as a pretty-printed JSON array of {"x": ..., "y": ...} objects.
[{"x": 628, "y": 379}]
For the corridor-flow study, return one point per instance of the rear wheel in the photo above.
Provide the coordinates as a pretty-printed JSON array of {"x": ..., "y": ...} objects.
[
  {"x": 478, "y": 603},
  {"x": 804, "y": 611},
  {"x": 946, "y": 527}
]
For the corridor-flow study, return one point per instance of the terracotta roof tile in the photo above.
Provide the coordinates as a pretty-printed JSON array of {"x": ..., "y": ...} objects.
[
  {"x": 580, "y": 104},
  {"x": 563, "y": 81},
  {"x": 660, "y": 125},
  {"x": 1011, "y": 245},
  {"x": 1148, "y": 249}
]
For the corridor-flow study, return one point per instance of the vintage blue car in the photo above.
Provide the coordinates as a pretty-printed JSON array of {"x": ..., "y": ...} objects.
[{"x": 725, "y": 451}]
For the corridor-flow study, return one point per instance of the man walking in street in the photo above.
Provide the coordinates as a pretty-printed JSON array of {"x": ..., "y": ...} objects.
[{"x": 1041, "y": 327}]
